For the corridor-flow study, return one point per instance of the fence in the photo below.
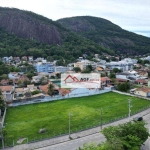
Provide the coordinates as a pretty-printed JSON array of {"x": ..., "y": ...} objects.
[
  {"x": 48, "y": 98},
  {"x": 76, "y": 131}
]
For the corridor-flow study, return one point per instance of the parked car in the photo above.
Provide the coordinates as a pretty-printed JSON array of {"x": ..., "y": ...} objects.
[{"x": 139, "y": 118}]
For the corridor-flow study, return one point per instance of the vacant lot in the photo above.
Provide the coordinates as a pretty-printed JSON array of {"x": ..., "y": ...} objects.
[{"x": 25, "y": 121}]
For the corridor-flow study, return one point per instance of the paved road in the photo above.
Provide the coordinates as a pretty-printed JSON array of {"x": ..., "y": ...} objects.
[{"x": 63, "y": 143}]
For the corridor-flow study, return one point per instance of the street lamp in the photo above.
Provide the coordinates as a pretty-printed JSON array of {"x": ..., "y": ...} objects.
[
  {"x": 69, "y": 123},
  {"x": 101, "y": 118},
  {"x": 129, "y": 104}
]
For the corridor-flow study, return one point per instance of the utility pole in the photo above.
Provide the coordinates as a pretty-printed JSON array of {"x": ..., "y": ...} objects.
[
  {"x": 129, "y": 104},
  {"x": 101, "y": 118},
  {"x": 69, "y": 124}
]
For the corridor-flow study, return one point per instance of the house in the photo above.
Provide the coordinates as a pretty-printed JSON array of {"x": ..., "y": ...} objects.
[
  {"x": 30, "y": 58},
  {"x": 149, "y": 83},
  {"x": 44, "y": 88},
  {"x": 99, "y": 69},
  {"x": 117, "y": 80},
  {"x": 20, "y": 80},
  {"x": 36, "y": 79},
  {"x": 32, "y": 87},
  {"x": 39, "y": 59},
  {"x": 19, "y": 92},
  {"x": 24, "y": 58},
  {"x": 141, "y": 82},
  {"x": 7, "y": 92},
  {"x": 144, "y": 91},
  {"x": 105, "y": 81},
  {"x": 143, "y": 73},
  {"x": 7, "y": 59},
  {"x": 13, "y": 75},
  {"x": 4, "y": 82},
  {"x": 63, "y": 92},
  {"x": 17, "y": 59}
]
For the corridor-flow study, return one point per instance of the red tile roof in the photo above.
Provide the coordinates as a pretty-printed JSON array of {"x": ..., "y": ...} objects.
[{"x": 6, "y": 88}]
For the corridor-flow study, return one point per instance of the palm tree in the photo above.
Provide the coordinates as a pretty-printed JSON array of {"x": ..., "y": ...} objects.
[{"x": 51, "y": 89}]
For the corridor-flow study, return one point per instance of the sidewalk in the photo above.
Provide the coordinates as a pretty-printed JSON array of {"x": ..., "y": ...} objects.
[{"x": 77, "y": 135}]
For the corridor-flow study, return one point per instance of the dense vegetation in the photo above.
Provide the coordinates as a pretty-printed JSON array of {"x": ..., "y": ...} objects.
[
  {"x": 128, "y": 136},
  {"x": 66, "y": 45},
  {"x": 108, "y": 34}
]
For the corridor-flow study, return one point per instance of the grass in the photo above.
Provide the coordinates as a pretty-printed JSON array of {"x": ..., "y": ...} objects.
[{"x": 25, "y": 121}]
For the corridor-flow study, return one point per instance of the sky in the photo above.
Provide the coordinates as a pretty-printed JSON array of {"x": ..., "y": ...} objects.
[{"x": 132, "y": 15}]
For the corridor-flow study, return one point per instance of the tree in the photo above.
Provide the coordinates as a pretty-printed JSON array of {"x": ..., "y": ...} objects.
[
  {"x": 51, "y": 89},
  {"x": 77, "y": 69},
  {"x": 116, "y": 70},
  {"x": 2, "y": 102},
  {"x": 130, "y": 135},
  {"x": 124, "y": 87},
  {"x": 43, "y": 80},
  {"x": 30, "y": 75},
  {"x": 88, "y": 69},
  {"x": 112, "y": 75}
]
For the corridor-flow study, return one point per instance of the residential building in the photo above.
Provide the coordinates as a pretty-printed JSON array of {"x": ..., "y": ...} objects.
[
  {"x": 7, "y": 92},
  {"x": 99, "y": 69},
  {"x": 39, "y": 59},
  {"x": 62, "y": 69},
  {"x": 105, "y": 81},
  {"x": 144, "y": 91},
  {"x": 4, "y": 82},
  {"x": 149, "y": 83},
  {"x": 7, "y": 59},
  {"x": 44, "y": 66},
  {"x": 143, "y": 73},
  {"x": 36, "y": 79},
  {"x": 19, "y": 92},
  {"x": 141, "y": 82},
  {"x": 13, "y": 75},
  {"x": 117, "y": 80},
  {"x": 17, "y": 59},
  {"x": 124, "y": 65},
  {"x": 24, "y": 58},
  {"x": 84, "y": 63},
  {"x": 20, "y": 80},
  {"x": 30, "y": 58},
  {"x": 128, "y": 75}
]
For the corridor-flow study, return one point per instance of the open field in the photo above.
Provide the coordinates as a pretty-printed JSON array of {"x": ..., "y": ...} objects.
[{"x": 25, "y": 121}]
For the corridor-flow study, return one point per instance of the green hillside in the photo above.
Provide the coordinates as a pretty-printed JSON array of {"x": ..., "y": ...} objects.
[{"x": 107, "y": 34}]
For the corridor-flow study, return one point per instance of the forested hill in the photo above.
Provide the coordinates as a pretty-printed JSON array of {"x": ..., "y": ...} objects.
[
  {"x": 107, "y": 34},
  {"x": 27, "y": 33}
]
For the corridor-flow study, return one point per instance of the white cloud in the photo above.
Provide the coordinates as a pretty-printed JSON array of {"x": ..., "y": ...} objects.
[{"x": 131, "y": 15}]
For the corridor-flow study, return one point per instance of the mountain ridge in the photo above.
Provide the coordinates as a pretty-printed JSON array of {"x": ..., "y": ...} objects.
[
  {"x": 26, "y": 33},
  {"x": 107, "y": 34}
]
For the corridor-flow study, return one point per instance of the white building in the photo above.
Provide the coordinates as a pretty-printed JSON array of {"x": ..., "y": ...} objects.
[
  {"x": 84, "y": 63},
  {"x": 62, "y": 69},
  {"x": 13, "y": 75},
  {"x": 128, "y": 75},
  {"x": 124, "y": 65}
]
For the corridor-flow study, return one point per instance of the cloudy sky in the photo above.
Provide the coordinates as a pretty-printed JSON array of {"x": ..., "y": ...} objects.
[{"x": 132, "y": 15}]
